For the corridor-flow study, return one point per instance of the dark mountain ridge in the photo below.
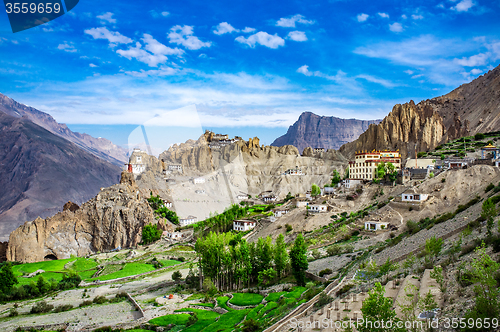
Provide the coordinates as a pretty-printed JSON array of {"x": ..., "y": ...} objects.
[{"x": 327, "y": 132}]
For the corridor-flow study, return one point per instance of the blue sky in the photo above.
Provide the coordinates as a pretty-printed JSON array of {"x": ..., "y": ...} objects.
[{"x": 249, "y": 67}]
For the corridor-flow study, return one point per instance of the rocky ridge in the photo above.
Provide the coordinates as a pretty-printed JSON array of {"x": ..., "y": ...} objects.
[
  {"x": 100, "y": 147},
  {"x": 327, "y": 132},
  {"x": 471, "y": 108},
  {"x": 114, "y": 218}
]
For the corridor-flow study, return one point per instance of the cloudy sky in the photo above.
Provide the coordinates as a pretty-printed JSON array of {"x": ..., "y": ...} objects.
[{"x": 248, "y": 68}]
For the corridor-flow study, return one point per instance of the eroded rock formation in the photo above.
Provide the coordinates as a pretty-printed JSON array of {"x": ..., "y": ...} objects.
[{"x": 113, "y": 218}]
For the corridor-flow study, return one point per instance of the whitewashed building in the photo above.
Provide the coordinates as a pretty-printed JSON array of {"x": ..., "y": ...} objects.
[
  {"x": 318, "y": 208},
  {"x": 243, "y": 225},
  {"x": 351, "y": 183},
  {"x": 173, "y": 235},
  {"x": 188, "y": 220},
  {"x": 294, "y": 171},
  {"x": 168, "y": 204},
  {"x": 374, "y": 226},
  {"x": 413, "y": 197},
  {"x": 199, "y": 180},
  {"x": 278, "y": 212},
  {"x": 241, "y": 196},
  {"x": 175, "y": 167}
]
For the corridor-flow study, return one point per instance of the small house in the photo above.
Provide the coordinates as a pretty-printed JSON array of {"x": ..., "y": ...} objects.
[
  {"x": 168, "y": 204},
  {"x": 175, "y": 167},
  {"x": 294, "y": 171},
  {"x": 199, "y": 180},
  {"x": 268, "y": 196},
  {"x": 318, "y": 208},
  {"x": 328, "y": 190},
  {"x": 173, "y": 235},
  {"x": 243, "y": 225},
  {"x": 278, "y": 212},
  {"x": 319, "y": 149},
  {"x": 241, "y": 196},
  {"x": 188, "y": 220},
  {"x": 374, "y": 226},
  {"x": 301, "y": 202},
  {"x": 351, "y": 183},
  {"x": 413, "y": 197}
]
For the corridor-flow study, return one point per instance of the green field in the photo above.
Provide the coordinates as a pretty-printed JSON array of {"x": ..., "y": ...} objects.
[
  {"x": 176, "y": 319},
  {"x": 274, "y": 296},
  {"x": 245, "y": 299},
  {"x": 52, "y": 266},
  {"x": 168, "y": 262},
  {"x": 129, "y": 269}
]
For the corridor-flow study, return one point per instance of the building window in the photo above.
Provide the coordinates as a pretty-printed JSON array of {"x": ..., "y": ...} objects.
[{"x": 139, "y": 159}]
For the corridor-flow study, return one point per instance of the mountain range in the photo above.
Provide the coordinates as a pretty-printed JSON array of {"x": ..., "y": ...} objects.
[{"x": 40, "y": 171}]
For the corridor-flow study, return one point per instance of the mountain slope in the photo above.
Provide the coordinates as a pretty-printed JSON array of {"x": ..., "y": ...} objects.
[
  {"x": 327, "y": 132},
  {"x": 99, "y": 147},
  {"x": 40, "y": 171},
  {"x": 467, "y": 110}
]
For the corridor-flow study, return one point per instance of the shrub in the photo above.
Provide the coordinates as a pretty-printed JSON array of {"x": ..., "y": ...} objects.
[
  {"x": 344, "y": 290},
  {"x": 100, "y": 299},
  {"x": 13, "y": 313},
  {"x": 41, "y": 307},
  {"x": 334, "y": 250},
  {"x": 176, "y": 276},
  {"x": 181, "y": 259},
  {"x": 325, "y": 272},
  {"x": 250, "y": 325},
  {"x": 496, "y": 245},
  {"x": 151, "y": 233},
  {"x": 288, "y": 228},
  {"x": 489, "y": 187},
  {"x": 412, "y": 227},
  {"x": 63, "y": 307},
  {"x": 323, "y": 300},
  {"x": 479, "y": 136},
  {"x": 316, "y": 254},
  {"x": 85, "y": 303}
]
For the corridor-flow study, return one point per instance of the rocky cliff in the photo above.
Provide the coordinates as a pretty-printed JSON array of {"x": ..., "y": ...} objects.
[
  {"x": 100, "y": 147},
  {"x": 327, "y": 132},
  {"x": 472, "y": 108},
  {"x": 113, "y": 218},
  {"x": 41, "y": 171}
]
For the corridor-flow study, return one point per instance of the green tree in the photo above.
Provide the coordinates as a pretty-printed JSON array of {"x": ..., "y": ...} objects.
[
  {"x": 267, "y": 276},
  {"x": 209, "y": 289},
  {"x": 408, "y": 305},
  {"x": 489, "y": 212},
  {"x": 437, "y": 274},
  {"x": 176, "y": 276},
  {"x": 433, "y": 246},
  {"x": 377, "y": 308},
  {"x": 482, "y": 275},
  {"x": 380, "y": 172},
  {"x": 192, "y": 319},
  {"x": 280, "y": 255},
  {"x": 151, "y": 233},
  {"x": 288, "y": 197},
  {"x": 7, "y": 278},
  {"x": 409, "y": 262},
  {"x": 43, "y": 285},
  {"x": 336, "y": 178},
  {"x": 315, "y": 190},
  {"x": 298, "y": 258}
]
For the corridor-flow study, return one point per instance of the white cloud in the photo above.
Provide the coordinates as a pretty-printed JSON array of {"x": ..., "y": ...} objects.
[
  {"x": 248, "y": 30},
  {"x": 223, "y": 28},
  {"x": 156, "y": 14},
  {"x": 396, "y": 27},
  {"x": 362, "y": 17},
  {"x": 183, "y": 35},
  {"x": 409, "y": 72},
  {"x": 111, "y": 36},
  {"x": 290, "y": 22},
  {"x": 157, "y": 48},
  {"x": 93, "y": 66},
  {"x": 381, "y": 81},
  {"x": 383, "y": 15},
  {"x": 404, "y": 17},
  {"x": 67, "y": 47},
  {"x": 162, "y": 71},
  {"x": 299, "y": 36},
  {"x": 340, "y": 77},
  {"x": 417, "y": 17},
  {"x": 476, "y": 71},
  {"x": 106, "y": 18},
  {"x": 473, "y": 61},
  {"x": 304, "y": 70},
  {"x": 141, "y": 55},
  {"x": 262, "y": 38},
  {"x": 417, "y": 76},
  {"x": 463, "y": 5}
]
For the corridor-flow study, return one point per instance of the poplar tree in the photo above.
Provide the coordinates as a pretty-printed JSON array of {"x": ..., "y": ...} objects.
[{"x": 298, "y": 259}]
